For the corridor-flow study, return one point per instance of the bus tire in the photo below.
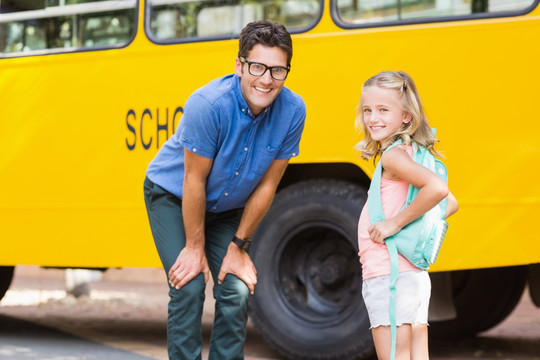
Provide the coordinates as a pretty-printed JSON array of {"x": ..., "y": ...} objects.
[
  {"x": 6, "y": 275},
  {"x": 308, "y": 299},
  {"x": 483, "y": 298}
]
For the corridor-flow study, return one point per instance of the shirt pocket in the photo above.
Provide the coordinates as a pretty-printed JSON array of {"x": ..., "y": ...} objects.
[{"x": 264, "y": 156}]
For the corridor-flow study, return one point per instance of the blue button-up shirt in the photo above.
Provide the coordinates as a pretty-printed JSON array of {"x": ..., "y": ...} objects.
[{"x": 218, "y": 124}]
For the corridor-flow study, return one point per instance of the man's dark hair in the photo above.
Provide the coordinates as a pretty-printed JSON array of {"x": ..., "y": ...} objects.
[{"x": 266, "y": 33}]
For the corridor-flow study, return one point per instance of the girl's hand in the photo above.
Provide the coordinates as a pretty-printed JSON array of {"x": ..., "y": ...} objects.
[{"x": 383, "y": 229}]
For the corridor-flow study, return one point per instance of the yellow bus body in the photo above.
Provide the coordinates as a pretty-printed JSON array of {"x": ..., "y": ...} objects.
[{"x": 71, "y": 189}]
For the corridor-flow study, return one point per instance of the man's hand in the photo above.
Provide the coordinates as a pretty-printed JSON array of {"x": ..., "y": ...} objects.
[
  {"x": 238, "y": 262},
  {"x": 190, "y": 263}
]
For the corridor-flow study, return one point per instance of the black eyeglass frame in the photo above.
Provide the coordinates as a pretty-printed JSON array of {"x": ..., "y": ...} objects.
[{"x": 266, "y": 68}]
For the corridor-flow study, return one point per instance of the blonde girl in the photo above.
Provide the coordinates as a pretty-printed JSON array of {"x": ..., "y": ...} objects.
[{"x": 390, "y": 109}]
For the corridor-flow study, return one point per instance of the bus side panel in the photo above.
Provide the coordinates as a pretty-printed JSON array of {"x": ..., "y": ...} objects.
[
  {"x": 78, "y": 131},
  {"x": 477, "y": 80},
  {"x": 77, "y": 134}
]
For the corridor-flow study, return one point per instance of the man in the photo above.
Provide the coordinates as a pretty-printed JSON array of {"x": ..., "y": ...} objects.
[{"x": 212, "y": 182}]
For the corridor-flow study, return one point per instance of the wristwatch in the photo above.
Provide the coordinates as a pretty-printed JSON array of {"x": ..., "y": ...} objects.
[{"x": 242, "y": 243}]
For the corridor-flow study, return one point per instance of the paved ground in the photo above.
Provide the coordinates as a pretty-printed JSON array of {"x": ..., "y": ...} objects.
[
  {"x": 126, "y": 311},
  {"x": 25, "y": 340}
]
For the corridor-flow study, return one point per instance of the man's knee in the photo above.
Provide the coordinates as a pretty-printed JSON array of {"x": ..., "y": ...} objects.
[
  {"x": 190, "y": 293},
  {"x": 232, "y": 292}
]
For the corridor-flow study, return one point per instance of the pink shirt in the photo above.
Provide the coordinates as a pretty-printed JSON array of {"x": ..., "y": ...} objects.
[{"x": 374, "y": 257}]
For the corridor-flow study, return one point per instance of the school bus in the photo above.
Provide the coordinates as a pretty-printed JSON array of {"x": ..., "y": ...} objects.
[{"x": 90, "y": 90}]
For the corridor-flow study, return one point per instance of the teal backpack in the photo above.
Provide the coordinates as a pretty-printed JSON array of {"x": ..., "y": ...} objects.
[{"x": 419, "y": 241}]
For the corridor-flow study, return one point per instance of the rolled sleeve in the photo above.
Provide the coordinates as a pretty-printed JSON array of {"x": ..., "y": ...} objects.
[
  {"x": 291, "y": 145},
  {"x": 200, "y": 129}
]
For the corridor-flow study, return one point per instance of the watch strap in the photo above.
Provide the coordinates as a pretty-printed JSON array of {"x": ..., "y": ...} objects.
[{"x": 242, "y": 243}]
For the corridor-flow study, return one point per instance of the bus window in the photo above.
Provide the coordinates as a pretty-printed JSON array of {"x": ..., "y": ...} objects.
[
  {"x": 358, "y": 12},
  {"x": 52, "y": 26},
  {"x": 187, "y": 20}
]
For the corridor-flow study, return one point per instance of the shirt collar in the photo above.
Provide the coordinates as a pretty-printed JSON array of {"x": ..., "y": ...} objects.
[{"x": 242, "y": 104}]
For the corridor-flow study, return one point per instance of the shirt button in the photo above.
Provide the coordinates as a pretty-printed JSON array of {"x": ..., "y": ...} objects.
[
  {"x": 226, "y": 194},
  {"x": 236, "y": 173},
  {"x": 194, "y": 150},
  {"x": 214, "y": 208},
  {"x": 245, "y": 149},
  {"x": 293, "y": 154}
]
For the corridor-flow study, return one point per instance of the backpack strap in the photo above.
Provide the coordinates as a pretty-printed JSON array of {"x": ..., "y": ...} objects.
[
  {"x": 394, "y": 273},
  {"x": 421, "y": 156},
  {"x": 376, "y": 214},
  {"x": 375, "y": 209}
]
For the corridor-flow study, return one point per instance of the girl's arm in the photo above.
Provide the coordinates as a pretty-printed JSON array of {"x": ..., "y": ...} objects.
[
  {"x": 451, "y": 205},
  {"x": 397, "y": 164}
]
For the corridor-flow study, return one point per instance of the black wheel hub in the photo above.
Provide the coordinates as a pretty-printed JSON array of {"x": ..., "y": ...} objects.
[{"x": 319, "y": 274}]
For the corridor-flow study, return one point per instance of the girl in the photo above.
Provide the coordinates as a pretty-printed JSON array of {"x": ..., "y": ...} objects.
[{"x": 390, "y": 109}]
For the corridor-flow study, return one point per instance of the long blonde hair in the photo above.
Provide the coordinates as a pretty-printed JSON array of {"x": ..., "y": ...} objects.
[{"x": 417, "y": 130}]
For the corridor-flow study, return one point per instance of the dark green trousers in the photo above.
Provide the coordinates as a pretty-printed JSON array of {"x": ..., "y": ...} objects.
[{"x": 184, "y": 327}]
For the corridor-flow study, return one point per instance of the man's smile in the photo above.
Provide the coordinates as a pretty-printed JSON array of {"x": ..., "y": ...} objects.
[{"x": 262, "y": 90}]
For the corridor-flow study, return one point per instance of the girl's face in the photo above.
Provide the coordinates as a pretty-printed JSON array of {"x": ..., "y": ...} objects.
[{"x": 382, "y": 112}]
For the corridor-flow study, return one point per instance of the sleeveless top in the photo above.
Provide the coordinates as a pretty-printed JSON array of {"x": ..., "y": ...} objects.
[{"x": 374, "y": 257}]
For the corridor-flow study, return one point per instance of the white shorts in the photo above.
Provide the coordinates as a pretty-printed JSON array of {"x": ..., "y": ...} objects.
[{"x": 413, "y": 290}]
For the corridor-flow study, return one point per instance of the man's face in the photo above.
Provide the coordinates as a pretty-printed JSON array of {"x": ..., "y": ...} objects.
[{"x": 260, "y": 91}]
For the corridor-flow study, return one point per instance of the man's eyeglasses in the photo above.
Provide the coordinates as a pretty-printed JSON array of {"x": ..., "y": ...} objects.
[{"x": 278, "y": 73}]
